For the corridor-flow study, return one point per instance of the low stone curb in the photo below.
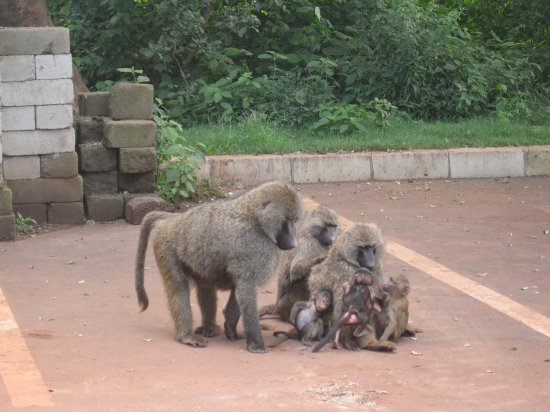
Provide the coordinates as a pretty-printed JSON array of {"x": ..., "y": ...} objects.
[{"x": 364, "y": 166}]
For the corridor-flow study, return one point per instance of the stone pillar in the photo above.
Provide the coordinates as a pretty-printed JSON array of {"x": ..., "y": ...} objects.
[
  {"x": 7, "y": 218},
  {"x": 116, "y": 145},
  {"x": 39, "y": 159}
]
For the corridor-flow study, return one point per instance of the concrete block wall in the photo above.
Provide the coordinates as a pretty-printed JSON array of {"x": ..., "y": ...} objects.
[
  {"x": 7, "y": 218},
  {"x": 39, "y": 160},
  {"x": 116, "y": 146}
]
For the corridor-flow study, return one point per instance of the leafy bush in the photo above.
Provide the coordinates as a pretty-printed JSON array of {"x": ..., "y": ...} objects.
[
  {"x": 292, "y": 60},
  {"x": 176, "y": 159}
]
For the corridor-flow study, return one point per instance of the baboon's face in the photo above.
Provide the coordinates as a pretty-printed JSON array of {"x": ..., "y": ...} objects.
[
  {"x": 286, "y": 236},
  {"x": 323, "y": 301},
  {"x": 366, "y": 257},
  {"x": 326, "y": 235}
]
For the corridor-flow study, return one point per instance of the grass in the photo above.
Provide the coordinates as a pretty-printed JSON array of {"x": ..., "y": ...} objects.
[{"x": 254, "y": 136}]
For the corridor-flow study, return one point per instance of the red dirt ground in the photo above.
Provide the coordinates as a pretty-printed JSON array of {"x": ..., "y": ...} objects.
[{"x": 72, "y": 295}]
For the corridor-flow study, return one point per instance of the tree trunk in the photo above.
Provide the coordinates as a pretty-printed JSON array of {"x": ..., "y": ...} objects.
[{"x": 34, "y": 13}]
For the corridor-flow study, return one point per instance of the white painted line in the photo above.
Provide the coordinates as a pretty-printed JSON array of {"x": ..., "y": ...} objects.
[
  {"x": 20, "y": 374},
  {"x": 503, "y": 304}
]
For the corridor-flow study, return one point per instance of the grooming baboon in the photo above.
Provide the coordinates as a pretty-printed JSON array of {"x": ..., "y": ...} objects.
[
  {"x": 392, "y": 321},
  {"x": 357, "y": 305},
  {"x": 307, "y": 321},
  {"x": 359, "y": 246},
  {"x": 315, "y": 236},
  {"x": 230, "y": 244}
]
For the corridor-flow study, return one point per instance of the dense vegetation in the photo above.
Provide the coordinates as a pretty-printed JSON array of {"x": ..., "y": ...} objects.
[{"x": 340, "y": 65}]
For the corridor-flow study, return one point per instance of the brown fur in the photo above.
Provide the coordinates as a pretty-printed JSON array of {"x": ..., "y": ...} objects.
[
  {"x": 340, "y": 266},
  {"x": 296, "y": 265},
  {"x": 231, "y": 244}
]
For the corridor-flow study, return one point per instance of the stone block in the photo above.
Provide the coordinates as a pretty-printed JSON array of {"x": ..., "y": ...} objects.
[
  {"x": 137, "y": 182},
  {"x": 537, "y": 161},
  {"x": 131, "y": 101},
  {"x": 59, "y": 165},
  {"x": 104, "y": 208},
  {"x": 17, "y": 68},
  {"x": 47, "y": 190},
  {"x": 35, "y": 210},
  {"x": 21, "y": 167},
  {"x": 100, "y": 182},
  {"x": 478, "y": 163},
  {"x": 58, "y": 116},
  {"x": 340, "y": 168},
  {"x": 129, "y": 133},
  {"x": 5, "y": 201},
  {"x": 66, "y": 213},
  {"x": 34, "y": 40},
  {"x": 90, "y": 129},
  {"x": 54, "y": 66},
  {"x": 18, "y": 118},
  {"x": 94, "y": 104},
  {"x": 35, "y": 142},
  {"x": 94, "y": 157},
  {"x": 37, "y": 92},
  {"x": 137, "y": 160},
  {"x": 424, "y": 164},
  {"x": 137, "y": 207},
  {"x": 7, "y": 227},
  {"x": 248, "y": 170}
]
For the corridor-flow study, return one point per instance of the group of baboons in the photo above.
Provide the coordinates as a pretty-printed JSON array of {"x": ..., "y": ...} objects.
[{"x": 331, "y": 283}]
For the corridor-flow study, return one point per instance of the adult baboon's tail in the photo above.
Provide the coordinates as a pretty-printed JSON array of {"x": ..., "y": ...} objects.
[
  {"x": 146, "y": 226},
  {"x": 266, "y": 310}
]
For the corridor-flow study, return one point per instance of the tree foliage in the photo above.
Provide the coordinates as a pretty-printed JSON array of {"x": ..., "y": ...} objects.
[{"x": 302, "y": 61}]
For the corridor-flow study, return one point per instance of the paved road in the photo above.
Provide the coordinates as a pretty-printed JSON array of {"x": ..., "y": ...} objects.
[{"x": 478, "y": 256}]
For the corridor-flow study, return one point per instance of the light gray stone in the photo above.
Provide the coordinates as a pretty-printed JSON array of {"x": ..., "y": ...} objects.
[
  {"x": 54, "y": 66},
  {"x": 34, "y": 40},
  {"x": 248, "y": 170},
  {"x": 59, "y": 116},
  {"x": 21, "y": 167},
  {"x": 478, "y": 163},
  {"x": 18, "y": 118},
  {"x": 17, "y": 68},
  {"x": 33, "y": 142},
  {"x": 37, "y": 92},
  {"x": 410, "y": 165},
  {"x": 537, "y": 161},
  {"x": 330, "y": 168}
]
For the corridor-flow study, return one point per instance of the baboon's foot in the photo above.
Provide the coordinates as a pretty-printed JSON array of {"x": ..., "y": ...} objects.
[
  {"x": 231, "y": 332},
  {"x": 193, "y": 340},
  {"x": 208, "y": 331},
  {"x": 256, "y": 347}
]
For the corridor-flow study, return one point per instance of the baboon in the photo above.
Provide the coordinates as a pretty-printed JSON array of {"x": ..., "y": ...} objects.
[
  {"x": 359, "y": 246},
  {"x": 392, "y": 321},
  {"x": 315, "y": 236},
  {"x": 358, "y": 303},
  {"x": 307, "y": 321},
  {"x": 232, "y": 244}
]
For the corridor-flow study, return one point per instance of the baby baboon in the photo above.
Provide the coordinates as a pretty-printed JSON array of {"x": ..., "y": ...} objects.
[
  {"x": 357, "y": 306},
  {"x": 359, "y": 246},
  {"x": 231, "y": 244},
  {"x": 315, "y": 236},
  {"x": 393, "y": 320},
  {"x": 306, "y": 318}
]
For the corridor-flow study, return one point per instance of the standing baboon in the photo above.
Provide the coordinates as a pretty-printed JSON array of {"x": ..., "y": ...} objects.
[
  {"x": 359, "y": 246},
  {"x": 307, "y": 321},
  {"x": 358, "y": 304},
  {"x": 315, "y": 236},
  {"x": 229, "y": 244},
  {"x": 393, "y": 320}
]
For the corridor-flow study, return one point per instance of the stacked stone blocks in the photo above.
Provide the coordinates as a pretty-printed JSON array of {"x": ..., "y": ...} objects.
[
  {"x": 38, "y": 139},
  {"x": 116, "y": 145}
]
